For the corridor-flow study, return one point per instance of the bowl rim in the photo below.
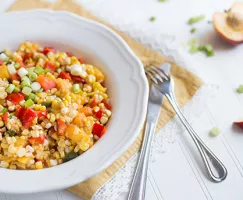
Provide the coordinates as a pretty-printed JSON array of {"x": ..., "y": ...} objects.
[{"x": 142, "y": 78}]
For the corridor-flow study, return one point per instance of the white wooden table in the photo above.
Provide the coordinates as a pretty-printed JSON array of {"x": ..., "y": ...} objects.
[{"x": 177, "y": 174}]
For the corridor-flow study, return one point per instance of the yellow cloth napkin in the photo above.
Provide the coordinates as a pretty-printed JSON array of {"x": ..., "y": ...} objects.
[{"x": 186, "y": 85}]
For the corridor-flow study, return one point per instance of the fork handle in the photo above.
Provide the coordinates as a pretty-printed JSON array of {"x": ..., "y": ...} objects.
[
  {"x": 138, "y": 187},
  {"x": 215, "y": 168}
]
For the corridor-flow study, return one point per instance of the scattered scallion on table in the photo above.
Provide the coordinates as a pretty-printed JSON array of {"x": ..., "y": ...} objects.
[
  {"x": 193, "y": 30},
  {"x": 195, "y": 47},
  {"x": 196, "y": 19},
  {"x": 214, "y": 132},
  {"x": 152, "y": 19},
  {"x": 240, "y": 89}
]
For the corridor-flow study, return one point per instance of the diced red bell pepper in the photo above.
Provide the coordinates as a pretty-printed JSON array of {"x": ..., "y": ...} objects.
[
  {"x": 50, "y": 66},
  {"x": 61, "y": 127},
  {"x": 19, "y": 111},
  {"x": 46, "y": 50},
  {"x": 38, "y": 140},
  {"x": 28, "y": 117},
  {"x": 14, "y": 77},
  {"x": 15, "y": 98},
  {"x": 45, "y": 82},
  {"x": 81, "y": 60},
  {"x": 42, "y": 113},
  {"x": 78, "y": 79},
  {"x": 5, "y": 116},
  {"x": 65, "y": 75},
  {"x": 69, "y": 54},
  {"x": 98, "y": 129},
  {"x": 99, "y": 114},
  {"x": 27, "y": 56},
  {"x": 1, "y": 62},
  {"x": 107, "y": 104},
  {"x": 94, "y": 103}
]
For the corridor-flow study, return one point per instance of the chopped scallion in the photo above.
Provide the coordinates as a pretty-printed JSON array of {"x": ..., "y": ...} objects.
[
  {"x": 193, "y": 30},
  {"x": 240, "y": 89},
  {"x": 214, "y": 132},
  {"x": 10, "y": 88},
  {"x": 47, "y": 70},
  {"x": 32, "y": 76},
  {"x": 4, "y": 111},
  {"x": 17, "y": 65},
  {"x": 196, "y": 19},
  {"x": 76, "y": 88},
  {"x": 29, "y": 103},
  {"x": 25, "y": 84},
  {"x": 32, "y": 96},
  {"x": 27, "y": 91},
  {"x": 38, "y": 70},
  {"x": 30, "y": 69},
  {"x": 152, "y": 19},
  {"x": 16, "y": 89}
]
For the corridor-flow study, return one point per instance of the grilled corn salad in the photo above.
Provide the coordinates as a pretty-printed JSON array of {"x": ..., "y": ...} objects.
[{"x": 53, "y": 107}]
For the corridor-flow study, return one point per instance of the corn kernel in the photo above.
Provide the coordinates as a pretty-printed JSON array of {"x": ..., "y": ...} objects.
[
  {"x": 4, "y": 164},
  {"x": 38, "y": 165}
]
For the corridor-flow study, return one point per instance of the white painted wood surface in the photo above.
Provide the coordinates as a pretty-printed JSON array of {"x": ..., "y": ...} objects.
[{"x": 179, "y": 174}]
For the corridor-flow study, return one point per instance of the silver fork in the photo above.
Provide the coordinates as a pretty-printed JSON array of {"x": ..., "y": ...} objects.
[{"x": 165, "y": 84}]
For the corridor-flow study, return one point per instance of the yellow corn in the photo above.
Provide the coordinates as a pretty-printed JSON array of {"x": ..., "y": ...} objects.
[
  {"x": 49, "y": 75},
  {"x": 16, "y": 83},
  {"x": 39, "y": 165},
  {"x": 24, "y": 160}
]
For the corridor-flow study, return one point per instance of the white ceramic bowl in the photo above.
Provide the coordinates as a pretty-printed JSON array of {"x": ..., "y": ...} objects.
[{"x": 126, "y": 82}]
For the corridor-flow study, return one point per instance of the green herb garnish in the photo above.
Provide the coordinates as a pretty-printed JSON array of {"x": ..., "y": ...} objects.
[
  {"x": 46, "y": 103},
  {"x": 71, "y": 155},
  {"x": 4, "y": 110},
  {"x": 162, "y": 1},
  {"x": 196, "y": 19},
  {"x": 152, "y": 19},
  {"x": 214, "y": 132},
  {"x": 11, "y": 132}
]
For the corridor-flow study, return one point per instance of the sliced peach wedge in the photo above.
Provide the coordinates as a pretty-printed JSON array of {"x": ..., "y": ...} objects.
[{"x": 229, "y": 25}]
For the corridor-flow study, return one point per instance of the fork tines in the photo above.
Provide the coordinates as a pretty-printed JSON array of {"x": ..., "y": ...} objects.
[{"x": 155, "y": 73}]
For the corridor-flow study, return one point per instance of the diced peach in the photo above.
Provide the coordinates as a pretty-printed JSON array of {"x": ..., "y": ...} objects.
[
  {"x": 4, "y": 72},
  {"x": 78, "y": 120},
  {"x": 74, "y": 133},
  {"x": 86, "y": 110}
]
